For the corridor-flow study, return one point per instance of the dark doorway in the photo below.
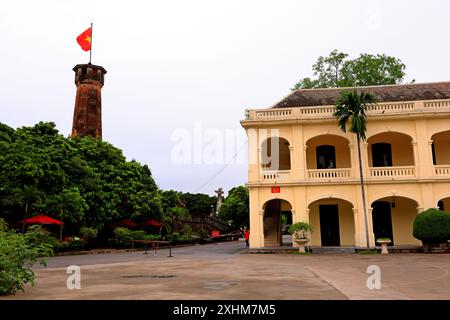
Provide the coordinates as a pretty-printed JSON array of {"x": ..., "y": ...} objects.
[
  {"x": 441, "y": 205},
  {"x": 382, "y": 155},
  {"x": 329, "y": 225},
  {"x": 382, "y": 220},
  {"x": 326, "y": 157}
]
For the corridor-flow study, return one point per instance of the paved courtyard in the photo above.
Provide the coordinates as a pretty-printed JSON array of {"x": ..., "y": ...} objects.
[{"x": 226, "y": 271}]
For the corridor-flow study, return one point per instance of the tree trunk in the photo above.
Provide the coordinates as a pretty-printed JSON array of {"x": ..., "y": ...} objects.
[
  {"x": 61, "y": 226},
  {"x": 363, "y": 192},
  {"x": 25, "y": 216}
]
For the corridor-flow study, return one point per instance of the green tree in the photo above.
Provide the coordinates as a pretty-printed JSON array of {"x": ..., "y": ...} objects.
[
  {"x": 70, "y": 205},
  {"x": 24, "y": 198},
  {"x": 235, "y": 207},
  {"x": 170, "y": 199},
  {"x": 89, "y": 179},
  {"x": 18, "y": 254},
  {"x": 366, "y": 70},
  {"x": 197, "y": 203},
  {"x": 350, "y": 112}
]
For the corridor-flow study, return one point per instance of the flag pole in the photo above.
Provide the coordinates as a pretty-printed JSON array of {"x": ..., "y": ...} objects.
[{"x": 90, "y": 51}]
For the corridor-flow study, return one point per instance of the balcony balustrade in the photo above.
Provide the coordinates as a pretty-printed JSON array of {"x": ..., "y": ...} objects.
[
  {"x": 329, "y": 174},
  {"x": 375, "y": 173},
  {"x": 323, "y": 112},
  {"x": 442, "y": 170},
  {"x": 275, "y": 175},
  {"x": 392, "y": 172}
]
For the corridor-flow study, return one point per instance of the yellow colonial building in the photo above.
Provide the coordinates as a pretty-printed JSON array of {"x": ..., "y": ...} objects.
[{"x": 302, "y": 166}]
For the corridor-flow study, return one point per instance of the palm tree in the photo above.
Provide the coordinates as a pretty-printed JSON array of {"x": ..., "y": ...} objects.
[{"x": 350, "y": 112}]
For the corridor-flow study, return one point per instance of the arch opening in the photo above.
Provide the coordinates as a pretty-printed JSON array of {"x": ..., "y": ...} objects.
[
  {"x": 275, "y": 154},
  {"x": 333, "y": 222},
  {"x": 393, "y": 218},
  {"x": 390, "y": 149},
  {"x": 440, "y": 148},
  {"x": 328, "y": 152},
  {"x": 274, "y": 223}
]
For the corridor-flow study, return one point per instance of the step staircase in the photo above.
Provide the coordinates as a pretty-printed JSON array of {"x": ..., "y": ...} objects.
[{"x": 333, "y": 249}]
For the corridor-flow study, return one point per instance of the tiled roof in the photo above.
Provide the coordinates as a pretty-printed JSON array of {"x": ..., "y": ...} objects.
[{"x": 387, "y": 93}]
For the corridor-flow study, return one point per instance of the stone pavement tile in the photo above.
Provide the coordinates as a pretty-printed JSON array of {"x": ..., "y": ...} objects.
[
  {"x": 183, "y": 278},
  {"x": 353, "y": 284}
]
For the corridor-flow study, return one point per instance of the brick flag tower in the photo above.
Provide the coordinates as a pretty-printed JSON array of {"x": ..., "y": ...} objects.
[{"x": 87, "y": 116}]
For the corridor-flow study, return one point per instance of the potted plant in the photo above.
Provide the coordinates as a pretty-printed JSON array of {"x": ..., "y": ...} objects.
[
  {"x": 432, "y": 227},
  {"x": 384, "y": 243},
  {"x": 300, "y": 234}
]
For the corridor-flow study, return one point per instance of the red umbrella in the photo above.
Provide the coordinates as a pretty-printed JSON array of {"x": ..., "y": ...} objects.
[
  {"x": 151, "y": 223},
  {"x": 125, "y": 223},
  {"x": 42, "y": 219}
]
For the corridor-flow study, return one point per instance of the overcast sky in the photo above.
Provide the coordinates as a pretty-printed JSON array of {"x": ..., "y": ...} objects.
[{"x": 192, "y": 67}]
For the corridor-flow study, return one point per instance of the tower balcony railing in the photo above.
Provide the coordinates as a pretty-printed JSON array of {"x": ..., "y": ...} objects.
[
  {"x": 392, "y": 172},
  {"x": 442, "y": 170},
  {"x": 323, "y": 112},
  {"x": 275, "y": 175},
  {"x": 329, "y": 174}
]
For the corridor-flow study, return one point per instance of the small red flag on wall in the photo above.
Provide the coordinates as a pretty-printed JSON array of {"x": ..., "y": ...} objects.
[
  {"x": 84, "y": 39},
  {"x": 275, "y": 189}
]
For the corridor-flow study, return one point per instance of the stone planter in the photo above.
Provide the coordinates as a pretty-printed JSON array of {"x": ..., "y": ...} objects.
[
  {"x": 301, "y": 244},
  {"x": 435, "y": 247},
  {"x": 384, "y": 244}
]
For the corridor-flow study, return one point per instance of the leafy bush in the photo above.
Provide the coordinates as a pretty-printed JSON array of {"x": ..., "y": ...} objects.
[
  {"x": 187, "y": 230},
  {"x": 432, "y": 226},
  {"x": 300, "y": 229},
  {"x": 123, "y": 235},
  {"x": 152, "y": 237},
  {"x": 88, "y": 233},
  {"x": 186, "y": 237},
  {"x": 76, "y": 244},
  {"x": 3, "y": 225},
  {"x": 18, "y": 253},
  {"x": 173, "y": 237},
  {"x": 203, "y": 234},
  {"x": 38, "y": 235},
  {"x": 138, "y": 235}
]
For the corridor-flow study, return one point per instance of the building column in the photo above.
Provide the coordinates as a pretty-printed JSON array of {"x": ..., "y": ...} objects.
[
  {"x": 256, "y": 220},
  {"x": 359, "y": 229},
  {"x": 360, "y": 209},
  {"x": 293, "y": 172},
  {"x": 418, "y": 168},
  {"x": 305, "y": 166},
  {"x": 370, "y": 227},
  {"x": 425, "y": 158},
  {"x": 260, "y": 235},
  {"x": 427, "y": 194},
  {"x": 254, "y": 152},
  {"x": 354, "y": 161},
  {"x": 258, "y": 169},
  {"x": 365, "y": 159},
  {"x": 296, "y": 154}
]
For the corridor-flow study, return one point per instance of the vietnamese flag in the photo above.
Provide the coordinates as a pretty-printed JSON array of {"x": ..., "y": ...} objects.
[{"x": 84, "y": 39}]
